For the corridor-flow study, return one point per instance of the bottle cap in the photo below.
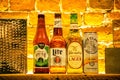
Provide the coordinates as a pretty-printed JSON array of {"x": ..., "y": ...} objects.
[
  {"x": 73, "y": 18},
  {"x": 57, "y": 15},
  {"x": 40, "y": 15}
]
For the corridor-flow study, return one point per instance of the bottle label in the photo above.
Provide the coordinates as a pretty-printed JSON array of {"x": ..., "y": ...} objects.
[
  {"x": 90, "y": 43},
  {"x": 58, "y": 57},
  {"x": 90, "y": 52},
  {"x": 41, "y": 55},
  {"x": 75, "y": 55},
  {"x": 58, "y": 23},
  {"x": 73, "y": 26}
]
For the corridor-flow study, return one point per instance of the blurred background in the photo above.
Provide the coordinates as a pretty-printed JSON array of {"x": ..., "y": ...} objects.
[{"x": 101, "y": 16}]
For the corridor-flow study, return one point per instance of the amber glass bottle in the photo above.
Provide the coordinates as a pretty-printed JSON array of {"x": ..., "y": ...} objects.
[
  {"x": 41, "y": 47},
  {"x": 57, "y": 48},
  {"x": 74, "y": 47}
]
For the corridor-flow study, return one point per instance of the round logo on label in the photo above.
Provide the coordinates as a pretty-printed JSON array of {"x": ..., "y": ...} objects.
[
  {"x": 91, "y": 45},
  {"x": 92, "y": 63},
  {"x": 57, "y": 59}
]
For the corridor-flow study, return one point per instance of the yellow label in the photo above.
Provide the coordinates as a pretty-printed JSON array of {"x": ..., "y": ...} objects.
[{"x": 75, "y": 55}]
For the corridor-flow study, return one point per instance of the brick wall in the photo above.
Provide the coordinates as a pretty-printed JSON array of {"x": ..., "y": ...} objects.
[{"x": 93, "y": 15}]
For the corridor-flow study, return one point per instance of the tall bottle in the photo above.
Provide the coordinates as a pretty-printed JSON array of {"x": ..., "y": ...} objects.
[
  {"x": 57, "y": 48},
  {"x": 74, "y": 47},
  {"x": 41, "y": 47}
]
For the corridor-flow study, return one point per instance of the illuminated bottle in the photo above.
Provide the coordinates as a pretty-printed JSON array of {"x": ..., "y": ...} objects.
[
  {"x": 90, "y": 53},
  {"x": 74, "y": 47},
  {"x": 41, "y": 47},
  {"x": 57, "y": 48}
]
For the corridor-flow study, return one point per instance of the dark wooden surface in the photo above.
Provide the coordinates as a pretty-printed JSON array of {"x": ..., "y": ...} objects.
[{"x": 59, "y": 77}]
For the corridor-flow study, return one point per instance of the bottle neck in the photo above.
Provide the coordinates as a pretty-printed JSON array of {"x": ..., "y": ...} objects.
[
  {"x": 57, "y": 25},
  {"x": 57, "y": 32},
  {"x": 73, "y": 23},
  {"x": 41, "y": 27},
  {"x": 74, "y": 30},
  {"x": 41, "y": 23}
]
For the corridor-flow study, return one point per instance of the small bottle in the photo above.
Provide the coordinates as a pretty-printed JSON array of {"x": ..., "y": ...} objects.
[
  {"x": 41, "y": 47},
  {"x": 74, "y": 47},
  {"x": 57, "y": 48}
]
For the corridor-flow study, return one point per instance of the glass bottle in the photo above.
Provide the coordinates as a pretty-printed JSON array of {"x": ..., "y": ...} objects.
[
  {"x": 74, "y": 47},
  {"x": 41, "y": 47},
  {"x": 57, "y": 48}
]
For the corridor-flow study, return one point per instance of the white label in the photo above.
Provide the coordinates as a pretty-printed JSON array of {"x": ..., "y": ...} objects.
[
  {"x": 41, "y": 55},
  {"x": 75, "y": 55},
  {"x": 90, "y": 53},
  {"x": 73, "y": 26},
  {"x": 57, "y": 57},
  {"x": 58, "y": 23}
]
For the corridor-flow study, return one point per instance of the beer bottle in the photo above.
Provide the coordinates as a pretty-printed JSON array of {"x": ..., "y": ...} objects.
[
  {"x": 74, "y": 47},
  {"x": 57, "y": 48},
  {"x": 41, "y": 47}
]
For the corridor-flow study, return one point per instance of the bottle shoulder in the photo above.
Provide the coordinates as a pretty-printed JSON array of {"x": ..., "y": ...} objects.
[
  {"x": 73, "y": 38},
  {"x": 58, "y": 41},
  {"x": 41, "y": 39}
]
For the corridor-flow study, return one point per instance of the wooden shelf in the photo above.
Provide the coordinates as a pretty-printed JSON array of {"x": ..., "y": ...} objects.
[{"x": 59, "y": 77}]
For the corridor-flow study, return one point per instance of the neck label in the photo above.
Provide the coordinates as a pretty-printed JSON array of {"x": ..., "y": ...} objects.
[{"x": 58, "y": 23}]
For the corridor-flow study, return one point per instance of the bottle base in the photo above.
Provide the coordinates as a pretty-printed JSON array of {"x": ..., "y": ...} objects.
[
  {"x": 41, "y": 70},
  {"x": 58, "y": 70}
]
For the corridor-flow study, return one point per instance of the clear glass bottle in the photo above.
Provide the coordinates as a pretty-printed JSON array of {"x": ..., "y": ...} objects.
[
  {"x": 41, "y": 47},
  {"x": 74, "y": 47},
  {"x": 57, "y": 48}
]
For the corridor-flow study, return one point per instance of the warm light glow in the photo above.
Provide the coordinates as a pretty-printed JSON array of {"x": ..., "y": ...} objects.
[
  {"x": 49, "y": 29},
  {"x": 106, "y": 44},
  {"x": 115, "y": 29},
  {"x": 30, "y": 72}
]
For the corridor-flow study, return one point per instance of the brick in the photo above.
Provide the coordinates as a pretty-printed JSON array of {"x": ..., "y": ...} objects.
[
  {"x": 48, "y": 5},
  {"x": 117, "y": 44},
  {"x": 49, "y": 21},
  {"x": 16, "y": 15},
  {"x": 49, "y": 18},
  {"x": 117, "y": 4},
  {"x": 116, "y": 30},
  {"x": 66, "y": 29},
  {"x": 73, "y": 5},
  {"x": 65, "y": 19},
  {"x": 114, "y": 15},
  {"x": 3, "y": 5},
  {"x": 101, "y": 4},
  {"x": 22, "y": 5},
  {"x": 33, "y": 18},
  {"x": 94, "y": 18},
  {"x": 105, "y": 37},
  {"x": 101, "y": 66},
  {"x": 105, "y": 34},
  {"x": 65, "y": 24}
]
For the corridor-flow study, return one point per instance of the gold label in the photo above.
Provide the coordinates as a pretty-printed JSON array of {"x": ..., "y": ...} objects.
[{"x": 75, "y": 55}]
